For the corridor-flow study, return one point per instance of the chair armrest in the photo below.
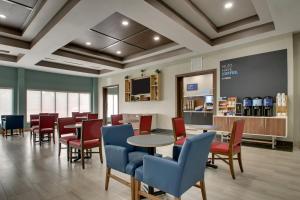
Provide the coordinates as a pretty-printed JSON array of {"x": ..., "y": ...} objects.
[
  {"x": 116, "y": 157},
  {"x": 176, "y": 152},
  {"x": 161, "y": 173}
]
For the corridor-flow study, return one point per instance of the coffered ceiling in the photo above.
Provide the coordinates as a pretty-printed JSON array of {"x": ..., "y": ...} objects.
[{"x": 100, "y": 37}]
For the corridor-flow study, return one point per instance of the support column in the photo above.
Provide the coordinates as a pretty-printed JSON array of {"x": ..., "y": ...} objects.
[
  {"x": 95, "y": 95},
  {"x": 21, "y": 92}
]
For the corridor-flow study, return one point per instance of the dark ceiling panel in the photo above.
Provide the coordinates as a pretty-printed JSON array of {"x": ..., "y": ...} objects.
[
  {"x": 98, "y": 41},
  {"x": 29, "y": 3},
  {"x": 112, "y": 26},
  {"x": 146, "y": 40},
  {"x": 16, "y": 15},
  {"x": 126, "y": 49}
]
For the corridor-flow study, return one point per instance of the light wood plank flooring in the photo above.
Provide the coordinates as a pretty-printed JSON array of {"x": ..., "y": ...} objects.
[{"x": 31, "y": 172}]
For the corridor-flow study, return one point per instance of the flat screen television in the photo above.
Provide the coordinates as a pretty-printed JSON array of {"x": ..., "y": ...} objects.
[{"x": 140, "y": 86}]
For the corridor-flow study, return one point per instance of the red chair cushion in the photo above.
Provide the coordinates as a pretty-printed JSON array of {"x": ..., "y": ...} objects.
[
  {"x": 180, "y": 141},
  {"x": 47, "y": 130},
  {"x": 223, "y": 148},
  {"x": 88, "y": 144},
  {"x": 67, "y": 138}
]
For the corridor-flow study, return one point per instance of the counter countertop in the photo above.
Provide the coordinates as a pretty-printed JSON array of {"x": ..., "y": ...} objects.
[{"x": 276, "y": 117}]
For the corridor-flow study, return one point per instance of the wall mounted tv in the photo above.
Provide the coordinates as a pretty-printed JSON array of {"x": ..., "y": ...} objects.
[{"x": 140, "y": 86}]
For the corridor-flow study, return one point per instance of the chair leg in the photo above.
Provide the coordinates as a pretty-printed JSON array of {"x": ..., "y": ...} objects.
[
  {"x": 59, "y": 149},
  {"x": 240, "y": 161},
  {"x": 68, "y": 154},
  {"x": 203, "y": 190},
  {"x": 82, "y": 158},
  {"x": 213, "y": 158},
  {"x": 100, "y": 154},
  {"x": 231, "y": 166},
  {"x": 132, "y": 187},
  {"x": 107, "y": 178},
  {"x": 137, "y": 190},
  {"x": 40, "y": 137},
  {"x": 53, "y": 136}
]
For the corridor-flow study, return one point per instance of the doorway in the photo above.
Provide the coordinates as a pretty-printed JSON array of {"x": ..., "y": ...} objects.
[
  {"x": 196, "y": 97},
  {"x": 110, "y": 102}
]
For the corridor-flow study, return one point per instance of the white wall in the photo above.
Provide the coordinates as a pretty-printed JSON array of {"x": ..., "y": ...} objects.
[{"x": 166, "y": 107}]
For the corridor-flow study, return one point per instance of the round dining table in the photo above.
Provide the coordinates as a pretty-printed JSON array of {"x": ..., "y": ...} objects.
[{"x": 151, "y": 142}]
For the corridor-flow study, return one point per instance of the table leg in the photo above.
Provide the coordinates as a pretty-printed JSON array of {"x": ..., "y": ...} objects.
[{"x": 208, "y": 163}]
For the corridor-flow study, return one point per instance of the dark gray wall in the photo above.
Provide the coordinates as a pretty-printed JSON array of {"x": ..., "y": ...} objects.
[{"x": 256, "y": 75}]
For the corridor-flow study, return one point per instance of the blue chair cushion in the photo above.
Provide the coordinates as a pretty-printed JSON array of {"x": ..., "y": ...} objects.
[
  {"x": 135, "y": 160},
  {"x": 139, "y": 173}
]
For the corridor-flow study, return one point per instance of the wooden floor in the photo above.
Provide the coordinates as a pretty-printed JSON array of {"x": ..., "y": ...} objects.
[{"x": 31, "y": 172}]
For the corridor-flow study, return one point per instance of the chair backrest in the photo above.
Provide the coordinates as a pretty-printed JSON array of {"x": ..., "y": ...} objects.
[
  {"x": 178, "y": 127},
  {"x": 91, "y": 129},
  {"x": 92, "y": 116},
  {"x": 117, "y": 135},
  {"x": 145, "y": 124},
  {"x": 237, "y": 133},
  {"x": 192, "y": 159},
  {"x": 74, "y": 114},
  {"x": 14, "y": 122},
  {"x": 115, "y": 119},
  {"x": 32, "y": 118},
  {"x": 46, "y": 121},
  {"x": 55, "y": 115},
  {"x": 62, "y": 122},
  {"x": 44, "y": 114}
]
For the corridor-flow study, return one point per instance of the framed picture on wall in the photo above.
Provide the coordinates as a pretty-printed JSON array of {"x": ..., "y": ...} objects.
[{"x": 192, "y": 87}]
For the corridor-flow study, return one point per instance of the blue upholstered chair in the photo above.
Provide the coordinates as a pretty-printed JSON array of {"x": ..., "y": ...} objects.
[
  {"x": 120, "y": 155},
  {"x": 178, "y": 175},
  {"x": 12, "y": 122}
]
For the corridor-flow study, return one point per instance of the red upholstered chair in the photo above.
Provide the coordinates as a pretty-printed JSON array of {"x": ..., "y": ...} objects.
[
  {"x": 55, "y": 116},
  {"x": 230, "y": 149},
  {"x": 44, "y": 114},
  {"x": 34, "y": 123},
  {"x": 92, "y": 116},
  {"x": 46, "y": 127},
  {"x": 74, "y": 114},
  {"x": 79, "y": 117},
  {"x": 179, "y": 130},
  {"x": 145, "y": 125},
  {"x": 90, "y": 138},
  {"x": 65, "y": 135},
  {"x": 115, "y": 119}
]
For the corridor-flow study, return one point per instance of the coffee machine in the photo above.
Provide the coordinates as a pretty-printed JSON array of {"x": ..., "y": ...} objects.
[
  {"x": 268, "y": 106},
  {"x": 257, "y": 106},
  {"x": 247, "y": 106}
]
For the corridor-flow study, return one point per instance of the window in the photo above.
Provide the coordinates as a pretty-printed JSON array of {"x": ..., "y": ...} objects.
[
  {"x": 63, "y": 103},
  {"x": 112, "y": 104},
  {"x": 73, "y": 103},
  {"x": 34, "y": 103},
  {"x": 48, "y": 102},
  {"x": 6, "y": 101},
  {"x": 84, "y": 102}
]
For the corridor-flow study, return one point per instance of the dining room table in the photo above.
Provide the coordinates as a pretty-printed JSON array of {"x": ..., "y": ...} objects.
[
  {"x": 151, "y": 142},
  {"x": 204, "y": 129}
]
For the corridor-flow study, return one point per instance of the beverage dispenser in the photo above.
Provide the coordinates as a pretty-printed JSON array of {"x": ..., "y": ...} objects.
[
  {"x": 268, "y": 106},
  {"x": 247, "y": 106},
  {"x": 257, "y": 106}
]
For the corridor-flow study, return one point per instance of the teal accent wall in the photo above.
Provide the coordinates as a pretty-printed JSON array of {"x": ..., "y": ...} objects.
[{"x": 21, "y": 79}]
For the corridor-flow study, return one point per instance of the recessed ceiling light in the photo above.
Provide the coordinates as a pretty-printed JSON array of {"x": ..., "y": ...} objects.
[
  {"x": 118, "y": 52},
  {"x": 156, "y": 38},
  {"x": 228, "y": 5},
  {"x": 125, "y": 23},
  {"x": 2, "y": 16},
  {"x": 88, "y": 43}
]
